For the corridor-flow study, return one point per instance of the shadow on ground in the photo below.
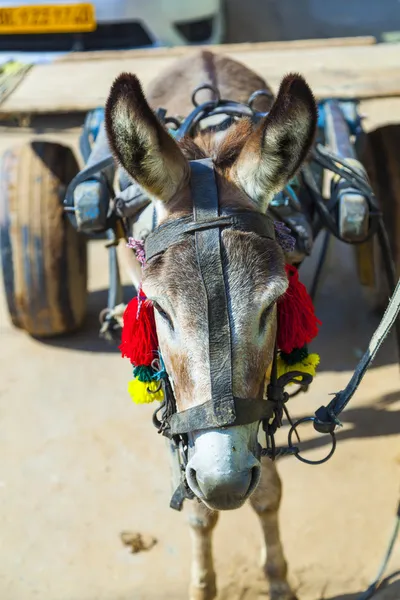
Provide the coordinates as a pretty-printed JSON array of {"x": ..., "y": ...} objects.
[
  {"x": 347, "y": 312},
  {"x": 347, "y": 327},
  {"x": 391, "y": 591},
  {"x": 88, "y": 339},
  {"x": 361, "y": 422}
]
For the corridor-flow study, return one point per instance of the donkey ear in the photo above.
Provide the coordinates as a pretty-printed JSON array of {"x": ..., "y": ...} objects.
[
  {"x": 279, "y": 145},
  {"x": 140, "y": 143}
]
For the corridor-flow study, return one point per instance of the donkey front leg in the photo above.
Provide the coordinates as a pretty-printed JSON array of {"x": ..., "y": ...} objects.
[
  {"x": 202, "y": 521},
  {"x": 265, "y": 501}
]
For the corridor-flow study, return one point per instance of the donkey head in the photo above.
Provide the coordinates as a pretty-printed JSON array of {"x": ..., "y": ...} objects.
[{"x": 252, "y": 164}]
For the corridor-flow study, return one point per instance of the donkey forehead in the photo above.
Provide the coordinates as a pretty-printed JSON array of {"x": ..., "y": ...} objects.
[{"x": 253, "y": 267}]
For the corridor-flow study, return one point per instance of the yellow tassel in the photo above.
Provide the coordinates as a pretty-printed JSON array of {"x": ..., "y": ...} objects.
[
  {"x": 307, "y": 365},
  {"x": 138, "y": 391}
]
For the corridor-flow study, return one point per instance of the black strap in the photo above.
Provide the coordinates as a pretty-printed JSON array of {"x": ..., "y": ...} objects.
[
  {"x": 181, "y": 493},
  {"x": 247, "y": 410},
  {"x": 209, "y": 259},
  {"x": 178, "y": 230}
]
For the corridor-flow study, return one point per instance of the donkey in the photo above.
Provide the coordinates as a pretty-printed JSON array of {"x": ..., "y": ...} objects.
[{"x": 252, "y": 163}]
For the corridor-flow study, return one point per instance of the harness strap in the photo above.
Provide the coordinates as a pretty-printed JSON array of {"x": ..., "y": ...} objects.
[
  {"x": 209, "y": 258},
  {"x": 246, "y": 410},
  {"x": 179, "y": 230}
]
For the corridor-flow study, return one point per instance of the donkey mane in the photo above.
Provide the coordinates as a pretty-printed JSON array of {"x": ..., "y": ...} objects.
[{"x": 223, "y": 151}]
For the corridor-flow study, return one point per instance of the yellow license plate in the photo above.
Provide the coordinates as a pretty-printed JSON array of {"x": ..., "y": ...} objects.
[{"x": 48, "y": 18}]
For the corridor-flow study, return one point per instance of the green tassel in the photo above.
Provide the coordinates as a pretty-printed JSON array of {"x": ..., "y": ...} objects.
[
  {"x": 295, "y": 356},
  {"x": 143, "y": 374}
]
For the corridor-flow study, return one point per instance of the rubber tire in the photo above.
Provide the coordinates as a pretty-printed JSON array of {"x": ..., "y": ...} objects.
[
  {"x": 44, "y": 260},
  {"x": 380, "y": 156}
]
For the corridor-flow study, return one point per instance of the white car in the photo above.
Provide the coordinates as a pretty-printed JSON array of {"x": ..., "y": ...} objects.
[{"x": 45, "y": 28}]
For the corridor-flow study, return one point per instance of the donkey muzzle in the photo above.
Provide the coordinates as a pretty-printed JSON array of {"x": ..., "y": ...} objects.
[{"x": 222, "y": 470}]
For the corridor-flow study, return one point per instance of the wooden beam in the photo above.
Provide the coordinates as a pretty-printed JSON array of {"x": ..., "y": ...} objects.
[
  {"x": 11, "y": 75},
  {"x": 218, "y": 49},
  {"x": 370, "y": 71}
]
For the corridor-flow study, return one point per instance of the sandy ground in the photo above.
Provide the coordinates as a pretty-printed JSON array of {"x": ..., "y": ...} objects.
[{"x": 80, "y": 464}]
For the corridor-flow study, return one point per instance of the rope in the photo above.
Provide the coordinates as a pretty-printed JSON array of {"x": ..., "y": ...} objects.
[
  {"x": 326, "y": 417},
  {"x": 373, "y": 587}
]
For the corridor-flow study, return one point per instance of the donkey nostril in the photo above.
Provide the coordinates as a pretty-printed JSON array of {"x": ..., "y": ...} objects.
[
  {"x": 193, "y": 483},
  {"x": 239, "y": 485}
]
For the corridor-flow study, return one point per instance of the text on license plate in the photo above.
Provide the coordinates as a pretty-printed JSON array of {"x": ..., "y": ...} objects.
[{"x": 48, "y": 18}]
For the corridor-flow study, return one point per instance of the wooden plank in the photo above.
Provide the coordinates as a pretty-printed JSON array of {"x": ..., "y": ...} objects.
[
  {"x": 218, "y": 49},
  {"x": 354, "y": 71}
]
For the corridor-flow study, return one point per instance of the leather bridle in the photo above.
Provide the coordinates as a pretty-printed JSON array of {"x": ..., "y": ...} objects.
[{"x": 223, "y": 409}]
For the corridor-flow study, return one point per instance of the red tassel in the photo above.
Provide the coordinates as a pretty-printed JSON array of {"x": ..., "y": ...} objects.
[
  {"x": 297, "y": 323},
  {"x": 139, "y": 335}
]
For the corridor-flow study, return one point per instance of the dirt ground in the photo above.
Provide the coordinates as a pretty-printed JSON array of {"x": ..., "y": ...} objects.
[{"x": 81, "y": 465}]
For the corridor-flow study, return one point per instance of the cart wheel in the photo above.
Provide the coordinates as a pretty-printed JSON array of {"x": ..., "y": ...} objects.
[
  {"x": 43, "y": 258},
  {"x": 380, "y": 156}
]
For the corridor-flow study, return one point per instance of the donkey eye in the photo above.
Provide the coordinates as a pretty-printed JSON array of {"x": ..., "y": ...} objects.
[
  {"x": 165, "y": 316},
  {"x": 264, "y": 316}
]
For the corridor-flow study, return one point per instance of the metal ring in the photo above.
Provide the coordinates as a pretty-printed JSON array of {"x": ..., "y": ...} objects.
[
  {"x": 206, "y": 86},
  {"x": 298, "y": 455},
  {"x": 157, "y": 390},
  {"x": 173, "y": 121},
  {"x": 257, "y": 94},
  {"x": 103, "y": 315}
]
